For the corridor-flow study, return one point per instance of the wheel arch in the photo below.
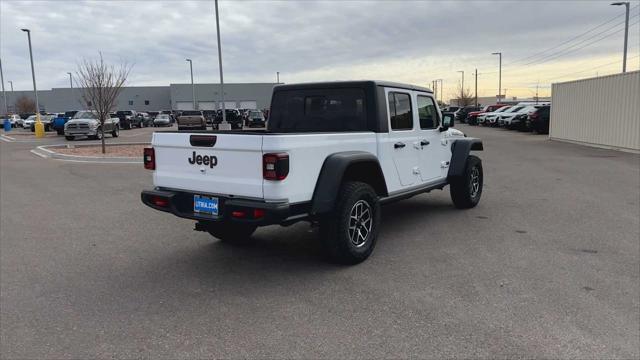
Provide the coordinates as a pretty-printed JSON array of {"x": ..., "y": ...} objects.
[
  {"x": 460, "y": 149},
  {"x": 346, "y": 166}
]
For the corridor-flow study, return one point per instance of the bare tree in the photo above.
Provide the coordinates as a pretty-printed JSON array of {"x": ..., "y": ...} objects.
[
  {"x": 25, "y": 105},
  {"x": 463, "y": 97},
  {"x": 101, "y": 84}
]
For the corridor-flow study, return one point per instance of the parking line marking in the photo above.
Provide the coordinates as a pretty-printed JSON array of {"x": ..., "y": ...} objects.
[
  {"x": 33, "y": 151},
  {"x": 6, "y": 138}
]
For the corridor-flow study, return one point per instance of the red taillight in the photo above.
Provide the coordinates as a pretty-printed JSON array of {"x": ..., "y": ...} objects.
[
  {"x": 275, "y": 166},
  {"x": 149, "y": 159},
  {"x": 160, "y": 201}
]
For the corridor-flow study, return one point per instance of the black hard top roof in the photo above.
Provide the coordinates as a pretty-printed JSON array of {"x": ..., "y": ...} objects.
[{"x": 357, "y": 83}]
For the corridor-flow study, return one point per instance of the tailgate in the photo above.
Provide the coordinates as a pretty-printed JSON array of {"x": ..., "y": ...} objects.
[{"x": 223, "y": 164}]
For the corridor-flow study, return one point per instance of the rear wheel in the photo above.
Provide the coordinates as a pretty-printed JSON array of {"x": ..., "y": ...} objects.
[
  {"x": 115, "y": 132},
  {"x": 232, "y": 233},
  {"x": 466, "y": 190},
  {"x": 349, "y": 232},
  {"x": 70, "y": 138}
]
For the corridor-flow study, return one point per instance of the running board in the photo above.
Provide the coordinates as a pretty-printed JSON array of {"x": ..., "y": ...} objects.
[{"x": 401, "y": 195}]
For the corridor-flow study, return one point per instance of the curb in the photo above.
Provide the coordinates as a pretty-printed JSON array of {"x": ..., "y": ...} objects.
[{"x": 45, "y": 152}]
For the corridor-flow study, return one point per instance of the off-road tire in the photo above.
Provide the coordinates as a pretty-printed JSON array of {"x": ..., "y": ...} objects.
[
  {"x": 463, "y": 192},
  {"x": 335, "y": 226},
  {"x": 232, "y": 233}
]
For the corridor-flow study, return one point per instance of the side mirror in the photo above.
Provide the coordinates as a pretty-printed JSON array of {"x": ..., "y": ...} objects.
[{"x": 447, "y": 121}]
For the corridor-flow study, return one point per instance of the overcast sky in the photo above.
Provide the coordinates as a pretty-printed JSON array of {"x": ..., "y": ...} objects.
[{"x": 407, "y": 41}]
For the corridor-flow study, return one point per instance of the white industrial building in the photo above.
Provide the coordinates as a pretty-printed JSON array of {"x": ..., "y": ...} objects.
[
  {"x": 602, "y": 111},
  {"x": 153, "y": 98}
]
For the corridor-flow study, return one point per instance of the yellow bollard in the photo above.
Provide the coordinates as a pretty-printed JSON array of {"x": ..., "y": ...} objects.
[{"x": 39, "y": 127}]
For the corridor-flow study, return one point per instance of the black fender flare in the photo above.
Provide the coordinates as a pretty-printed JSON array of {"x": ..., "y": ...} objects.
[
  {"x": 460, "y": 149},
  {"x": 332, "y": 174}
]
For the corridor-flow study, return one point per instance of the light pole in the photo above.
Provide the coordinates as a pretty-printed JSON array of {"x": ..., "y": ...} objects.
[
  {"x": 277, "y": 77},
  {"x": 499, "y": 75},
  {"x": 70, "y": 80},
  {"x": 626, "y": 32},
  {"x": 4, "y": 93},
  {"x": 440, "y": 89},
  {"x": 462, "y": 85},
  {"x": 476, "y": 75},
  {"x": 193, "y": 89},
  {"x": 224, "y": 125},
  {"x": 10, "y": 83},
  {"x": 39, "y": 127}
]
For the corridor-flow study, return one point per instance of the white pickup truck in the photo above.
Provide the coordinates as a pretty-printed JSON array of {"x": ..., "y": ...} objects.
[{"x": 332, "y": 154}]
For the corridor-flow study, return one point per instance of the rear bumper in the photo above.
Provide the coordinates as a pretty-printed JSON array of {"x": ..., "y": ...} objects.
[{"x": 180, "y": 203}]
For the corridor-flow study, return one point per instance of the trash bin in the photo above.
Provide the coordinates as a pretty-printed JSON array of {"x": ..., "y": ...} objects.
[{"x": 7, "y": 125}]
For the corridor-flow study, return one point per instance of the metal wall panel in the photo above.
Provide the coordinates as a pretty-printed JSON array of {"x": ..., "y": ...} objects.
[{"x": 602, "y": 111}]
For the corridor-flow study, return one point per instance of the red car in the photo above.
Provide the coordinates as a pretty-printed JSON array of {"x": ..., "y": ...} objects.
[{"x": 472, "y": 117}]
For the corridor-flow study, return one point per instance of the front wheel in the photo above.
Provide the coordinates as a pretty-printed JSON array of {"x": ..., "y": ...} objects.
[
  {"x": 349, "y": 233},
  {"x": 116, "y": 132},
  {"x": 232, "y": 233},
  {"x": 70, "y": 138},
  {"x": 466, "y": 190}
]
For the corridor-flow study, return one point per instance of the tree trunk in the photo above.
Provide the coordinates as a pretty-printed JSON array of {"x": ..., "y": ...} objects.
[{"x": 104, "y": 149}]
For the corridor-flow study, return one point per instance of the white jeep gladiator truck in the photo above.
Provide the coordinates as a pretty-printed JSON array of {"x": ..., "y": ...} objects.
[{"x": 332, "y": 154}]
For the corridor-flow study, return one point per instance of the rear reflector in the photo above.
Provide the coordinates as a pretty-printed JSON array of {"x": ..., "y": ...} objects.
[
  {"x": 149, "y": 159},
  {"x": 275, "y": 166},
  {"x": 238, "y": 214},
  {"x": 160, "y": 201},
  {"x": 258, "y": 213}
]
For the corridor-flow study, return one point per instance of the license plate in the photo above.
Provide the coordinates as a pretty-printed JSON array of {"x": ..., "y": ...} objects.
[{"x": 205, "y": 204}]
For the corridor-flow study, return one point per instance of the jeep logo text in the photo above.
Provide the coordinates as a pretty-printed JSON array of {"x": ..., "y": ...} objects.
[{"x": 203, "y": 160}]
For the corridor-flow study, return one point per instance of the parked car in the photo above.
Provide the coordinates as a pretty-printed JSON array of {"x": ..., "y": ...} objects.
[
  {"x": 127, "y": 118},
  {"x": 461, "y": 114},
  {"x": 209, "y": 116},
  {"x": 472, "y": 117},
  {"x": 234, "y": 118},
  {"x": 29, "y": 123},
  {"x": 513, "y": 120},
  {"x": 86, "y": 123},
  {"x": 142, "y": 119},
  {"x": 162, "y": 120},
  {"x": 328, "y": 160},
  {"x": 538, "y": 120},
  {"x": 15, "y": 120},
  {"x": 482, "y": 118},
  {"x": 254, "y": 118},
  {"x": 192, "y": 119}
]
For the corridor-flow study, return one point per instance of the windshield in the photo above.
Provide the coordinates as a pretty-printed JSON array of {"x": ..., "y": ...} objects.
[
  {"x": 255, "y": 114},
  {"x": 514, "y": 109},
  {"x": 191, "y": 113},
  {"x": 162, "y": 117},
  {"x": 502, "y": 109},
  {"x": 124, "y": 112},
  {"x": 84, "y": 115},
  {"x": 32, "y": 117}
]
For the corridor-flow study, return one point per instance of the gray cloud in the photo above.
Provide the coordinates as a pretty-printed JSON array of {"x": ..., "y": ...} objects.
[{"x": 304, "y": 40}]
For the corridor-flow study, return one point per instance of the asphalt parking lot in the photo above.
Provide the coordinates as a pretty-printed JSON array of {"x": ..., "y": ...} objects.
[{"x": 547, "y": 265}]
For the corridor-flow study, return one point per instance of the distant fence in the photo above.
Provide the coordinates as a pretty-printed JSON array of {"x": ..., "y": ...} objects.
[{"x": 602, "y": 111}]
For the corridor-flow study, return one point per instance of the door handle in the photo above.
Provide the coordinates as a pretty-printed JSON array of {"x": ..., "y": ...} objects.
[
  {"x": 424, "y": 143},
  {"x": 399, "y": 145}
]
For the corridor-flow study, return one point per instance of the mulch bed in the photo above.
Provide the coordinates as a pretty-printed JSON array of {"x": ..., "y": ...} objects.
[{"x": 96, "y": 150}]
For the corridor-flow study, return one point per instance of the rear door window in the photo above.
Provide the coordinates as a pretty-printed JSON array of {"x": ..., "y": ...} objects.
[{"x": 400, "y": 114}]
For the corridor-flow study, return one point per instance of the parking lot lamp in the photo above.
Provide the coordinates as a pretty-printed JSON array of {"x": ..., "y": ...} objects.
[
  {"x": 10, "y": 83},
  {"x": 193, "y": 89},
  {"x": 277, "y": 77},
  {"x": 4, "y": 93},
  {"x": 626, "y": 33},
  {"x": 462, "y": 84},
  {"x": 70, "y": 80},
  {"x": 39, "y": 127},
  {"x": 224, "y": 125},
  {"x": 499, "y": 75}
]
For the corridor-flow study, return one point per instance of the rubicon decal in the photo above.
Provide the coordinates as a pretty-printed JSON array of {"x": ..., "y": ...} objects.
[{"x": 203, "y": 160}]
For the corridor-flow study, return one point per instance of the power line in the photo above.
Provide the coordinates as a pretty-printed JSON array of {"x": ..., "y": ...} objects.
[
  {"x": 571, "y": 39},
  {"x": 570, "y": 50}
]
